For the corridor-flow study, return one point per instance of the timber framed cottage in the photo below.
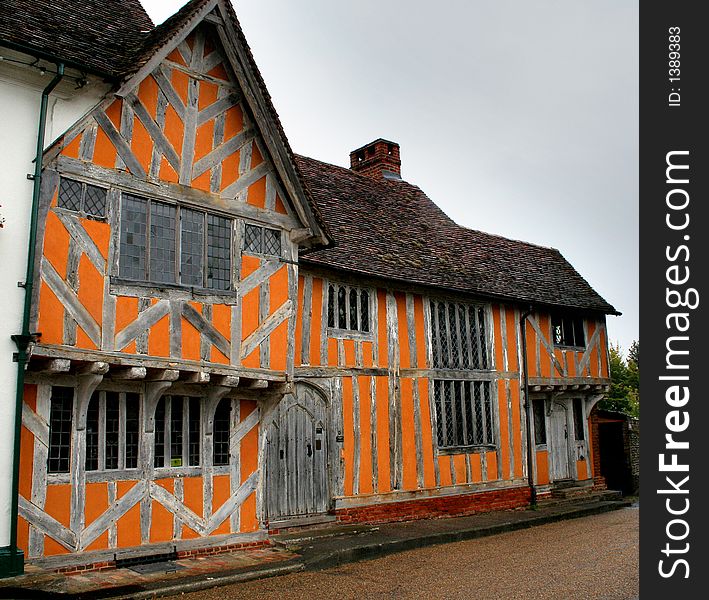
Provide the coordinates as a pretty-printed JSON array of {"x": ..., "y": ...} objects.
[{"x": 225, "y": 339}]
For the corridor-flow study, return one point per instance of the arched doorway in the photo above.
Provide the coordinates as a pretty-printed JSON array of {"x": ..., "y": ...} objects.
[{"x": 297, "y": 482}]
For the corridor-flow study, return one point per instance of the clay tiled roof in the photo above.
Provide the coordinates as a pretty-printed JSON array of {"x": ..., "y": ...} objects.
[
  {"x": 391, "y": 229},
  {"x": 100, "y": 36}
]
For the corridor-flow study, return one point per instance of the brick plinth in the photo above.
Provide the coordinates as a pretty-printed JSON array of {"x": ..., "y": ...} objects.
[
  {"x": 193, "y": 553},
  {"x": 441, "y": 506}
]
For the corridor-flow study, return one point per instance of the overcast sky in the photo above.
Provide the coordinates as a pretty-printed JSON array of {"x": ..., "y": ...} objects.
[{"x": 517, "y": 118}]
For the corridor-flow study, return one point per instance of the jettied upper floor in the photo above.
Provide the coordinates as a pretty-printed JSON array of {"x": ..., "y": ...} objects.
[{"x": 171, "y": 216}]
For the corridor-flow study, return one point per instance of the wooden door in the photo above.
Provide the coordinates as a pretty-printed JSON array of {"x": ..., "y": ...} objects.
[
  {"x": 560, "y": 440},
  {"x": 296, "y": 457}
]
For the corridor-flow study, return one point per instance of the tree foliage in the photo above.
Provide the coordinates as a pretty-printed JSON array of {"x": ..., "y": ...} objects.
[{"x": 624, "y": 394}]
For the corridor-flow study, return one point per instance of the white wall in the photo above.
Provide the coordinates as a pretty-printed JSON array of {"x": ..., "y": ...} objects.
[{"x": 20, "y": 95}]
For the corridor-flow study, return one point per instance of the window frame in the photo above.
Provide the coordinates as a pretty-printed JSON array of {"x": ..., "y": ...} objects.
[
  {"x": 186, "y": 439},
  {"x": 346, "y": 332},
  {"x": 63, "y": 451},
  {"x": 100, "y": 397},
  {"x": 577, "y": 327},
  {"x": 81, "y": 212},
  {"x": 539, "y": 404},
  {"x": 489, "y": 417},
  {"x": 478, "y": 359},
  {"x": 262, "y": 253},
  {"x": 147, "y": 281}
]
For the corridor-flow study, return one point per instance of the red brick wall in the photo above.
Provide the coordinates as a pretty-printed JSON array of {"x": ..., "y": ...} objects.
[
  {"x": 440, "y": 506},
  {"x": 599, "y": 482}
]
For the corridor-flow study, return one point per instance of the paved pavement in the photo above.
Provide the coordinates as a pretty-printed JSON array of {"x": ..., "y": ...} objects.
[
  {"x": 314, "y": 549},
  {"x": 589, "y": 558}
]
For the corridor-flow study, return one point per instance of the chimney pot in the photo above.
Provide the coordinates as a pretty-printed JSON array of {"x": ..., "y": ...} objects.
[{"x": 379, "y": 159}]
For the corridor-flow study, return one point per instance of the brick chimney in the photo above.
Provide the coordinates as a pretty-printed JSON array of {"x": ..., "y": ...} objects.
[{"x": 379, "y": 160}]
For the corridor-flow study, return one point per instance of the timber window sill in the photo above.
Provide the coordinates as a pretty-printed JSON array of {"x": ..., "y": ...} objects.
[
  {"x": 129, "y": 287},
  {"x": 465, "y": 450}
]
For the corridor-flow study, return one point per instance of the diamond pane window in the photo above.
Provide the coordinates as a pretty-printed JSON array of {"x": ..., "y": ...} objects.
[
  {"x": 252, "y": 239},
  {"x": 69, "y": 194},
  {"x": 458, "y": 336},
  {"x": 201, "y": 258},
  {"x": 95, "y": 201},
  {"x": 463, "y": 412},
  {"x": 262, "y": 240},
  {"x": 82, "y": 197}
]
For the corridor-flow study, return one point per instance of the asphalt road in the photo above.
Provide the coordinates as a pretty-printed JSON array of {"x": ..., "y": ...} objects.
[{"x": 586, "y": 559}]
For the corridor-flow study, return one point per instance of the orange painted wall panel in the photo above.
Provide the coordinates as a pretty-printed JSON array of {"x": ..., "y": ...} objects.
[
  {"x": 72, "y": 148},
  {"x": 161, "y": 522},
  {"x": 408, "y": 435},
  {"x": 581, "y": 470},
  {"x": 420, "y": 332},
  {"x": 299, "y": 324},
  {"x": 382, "y": 333},
  {"x": 504, "y": 428},
  {"x": 58, "y": 503},
  {"x": 383, "y": 467},
  {"x": 511, "y": 327},
  {"x": 532, "y": 351},
  {"x": 193, "y": 499},
  {"x": 476, "y": 470},
  {"x": 128, "y": 526},
  {"x": 159, "y": 338},
  {"x": 404, "y": 351},
  {"x": 257, "y": 192},
  {"x": 459, "y": 466},
  {"x": 593, "y": 363},
  {"x": 316, "y": 321},
  {"x": 100, "y": 233},
  {"x": 348, "y": 431},
  {"x": 491, "y": 458},
  {"x": 249, "y": 464},
  {"x": 191, "y": 337},
  {"x": 497, "y": 336},
  {"x": 91, "y": 289},
  {"x": 542, "y": 467},
  {"x": 221, "y": 493},
  {"x": 444, "y": 467},
  {"x": 544, "y": 359},
  {"x": 51, "y": 316},
  {"x": 365, "y": 427},
  {"x": 349, "y": 346},
  {"x": 429, "y": 478},
  {"x": 56, "y": 243},
  {"x": 517, "y": 428}
]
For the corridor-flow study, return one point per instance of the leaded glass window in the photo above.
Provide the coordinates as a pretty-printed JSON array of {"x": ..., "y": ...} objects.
[
  {"x": 540, "y": 421},
  {"x": 458, "y": 336},
  {"x": 112, "y": 431},
  {"x": 464, "y": 413},
  {"x": 262, "y": 240},
  {"x": 184, "y": 246},
  {"x": 220, "y": 435},
  {"x": 82, "y": 197},
  {"x": 178, "y": 438},
  {"x": 60, "y": 418},
  {"x": 347, "y": 308}
]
